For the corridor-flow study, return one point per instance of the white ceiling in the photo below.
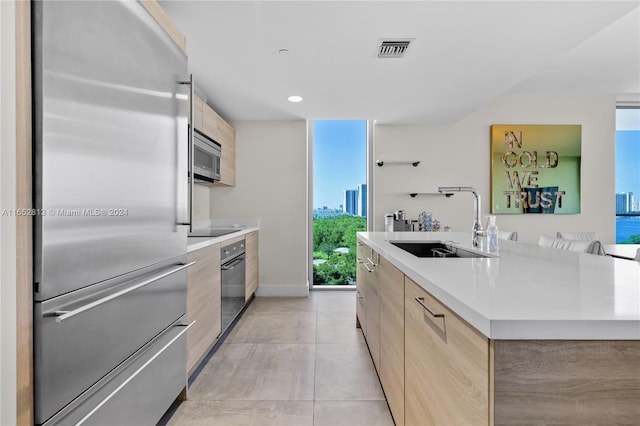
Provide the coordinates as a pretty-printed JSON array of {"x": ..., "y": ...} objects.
[{"x": 464, "y": 55}]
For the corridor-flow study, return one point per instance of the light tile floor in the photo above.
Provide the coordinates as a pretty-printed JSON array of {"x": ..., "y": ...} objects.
[{"x": 290, "y": 361}]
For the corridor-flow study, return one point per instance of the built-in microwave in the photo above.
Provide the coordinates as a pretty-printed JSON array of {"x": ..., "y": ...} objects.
[{"x": 206, "y": 158}]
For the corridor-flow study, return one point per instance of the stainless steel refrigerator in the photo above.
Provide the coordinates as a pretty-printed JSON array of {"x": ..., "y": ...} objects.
[{"x": 110, "y": 189}]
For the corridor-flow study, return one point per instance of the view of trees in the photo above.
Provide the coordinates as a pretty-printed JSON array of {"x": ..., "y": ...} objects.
[
  {"x": 334, "y": 249},
  {"x": 633, "y": 239}
]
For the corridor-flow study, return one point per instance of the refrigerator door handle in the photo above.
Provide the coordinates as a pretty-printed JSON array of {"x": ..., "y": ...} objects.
[
  {"x": 190, "y": 151},
  {"x": 63, "y": 315}
]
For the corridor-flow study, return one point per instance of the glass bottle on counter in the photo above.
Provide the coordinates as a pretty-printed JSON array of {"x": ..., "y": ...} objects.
[{"x": 492, "y": 234}]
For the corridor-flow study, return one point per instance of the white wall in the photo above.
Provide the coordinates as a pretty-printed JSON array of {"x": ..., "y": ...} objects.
[
  {"x": 7, "y": 223},
  {"x": 459, "y": 155},
  {"x": 271, "y": 185},
  {"x": 201, "y": 201}
]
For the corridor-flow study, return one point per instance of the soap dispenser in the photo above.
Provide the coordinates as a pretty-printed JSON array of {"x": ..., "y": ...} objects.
[{"x": 492, "y": 234}]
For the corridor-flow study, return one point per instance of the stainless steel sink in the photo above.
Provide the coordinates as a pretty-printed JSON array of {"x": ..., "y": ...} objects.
[{"x": 434, "y": 249}]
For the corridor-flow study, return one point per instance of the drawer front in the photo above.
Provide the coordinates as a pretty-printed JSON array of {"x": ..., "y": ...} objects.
[
  {"x": 138, "y": 392},
  {"x": 361, "y": 277},
  {"x": 391, "y": 371},
  {"x": 252, "y": 264},
  {"x": 446, "y": 365},
  {"x": 203, "y": 303},
  {"x": 361, "y": 310},
  {"x": 73, "y": 354},
  {"x": 373, "y": 316}
]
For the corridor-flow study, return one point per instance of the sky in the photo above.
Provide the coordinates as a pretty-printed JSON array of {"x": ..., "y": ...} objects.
[
  {"x": 339, "y": 159},
  {"x": 628, "y": 151}
]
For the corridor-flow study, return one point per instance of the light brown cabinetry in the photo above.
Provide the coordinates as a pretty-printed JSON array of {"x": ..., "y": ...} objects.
[
  {"x": 361, "y": 295},
  {"x": 203, "y": 303},
  {"x": 161, "y": 17},
  {"x": 436, "y": 369},
  {"x": 198, "y": 119},
  {"x": 391, "y": 368},
  {"x": 227, "y": 138},
  {"x": 211, "y": 124},
  {"x": 251, "y": 264},
  {"x": 368, "y": 302},
  {"x": 373, "y": 309},
  {"x": 446, "y": 364},
  {"x": 566, "y": 382}
]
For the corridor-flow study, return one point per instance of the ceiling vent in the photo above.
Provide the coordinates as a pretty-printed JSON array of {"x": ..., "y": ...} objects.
[{"x": 393, "y": 48}]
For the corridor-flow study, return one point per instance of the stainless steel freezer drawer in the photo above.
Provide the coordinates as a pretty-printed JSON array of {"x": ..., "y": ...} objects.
[
  {"x": 139, "y": 391},
  {"x": 76, "y": 346}
]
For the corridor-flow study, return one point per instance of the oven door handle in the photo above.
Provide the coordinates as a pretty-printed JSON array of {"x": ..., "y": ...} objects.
[
  {"x": 229, "y": 266},
  {"x": 63, "y": 315}
]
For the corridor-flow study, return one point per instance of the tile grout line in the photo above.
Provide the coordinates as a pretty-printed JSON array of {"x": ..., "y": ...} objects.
[{"x": 315, "y": 366}]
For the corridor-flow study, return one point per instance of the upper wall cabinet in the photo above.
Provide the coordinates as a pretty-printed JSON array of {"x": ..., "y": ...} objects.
[
  {"x": 211, "y": 124},
  {"x": 198, "y": 105},
  {"x": 166, "y": 23}
]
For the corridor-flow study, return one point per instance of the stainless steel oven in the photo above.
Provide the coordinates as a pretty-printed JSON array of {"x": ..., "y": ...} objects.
[
  {"x": 232, "y": 259},
  {"x": 206, "y": 158}
]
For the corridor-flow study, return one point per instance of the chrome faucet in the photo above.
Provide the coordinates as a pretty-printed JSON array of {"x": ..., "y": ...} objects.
[{"x": 477, "y": 230}]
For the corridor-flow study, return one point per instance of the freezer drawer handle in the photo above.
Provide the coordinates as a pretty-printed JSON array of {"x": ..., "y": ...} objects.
[
  {"x": 138, "y": 371},
  {"x": 63, "y": 315},
  {"x": 420, "y": 300}
]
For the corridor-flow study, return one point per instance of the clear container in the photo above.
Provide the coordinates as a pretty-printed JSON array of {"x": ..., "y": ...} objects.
[
  {"x": 388, "y": 222},
  {"x": 427, "y": 222},
  {"x": 492, "y": 234}
]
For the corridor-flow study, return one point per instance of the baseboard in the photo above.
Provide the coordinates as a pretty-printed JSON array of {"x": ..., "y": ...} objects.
[{"x": 282, "y": 291}]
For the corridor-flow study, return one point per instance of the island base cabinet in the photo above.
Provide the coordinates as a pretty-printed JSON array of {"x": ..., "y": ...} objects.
[
  {"x": 584, "y": 382},
  {"x": 446, "y": 365},
  {"x": 361, "y": 277},
  {"x": 391, "y": 368},
  {"x": 372, "y": 330}
]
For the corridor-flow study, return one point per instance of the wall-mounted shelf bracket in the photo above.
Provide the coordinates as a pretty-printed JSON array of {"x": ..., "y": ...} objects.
[
  {"x": 446, "y": 194},
  {"x": 381, "y": 163}
]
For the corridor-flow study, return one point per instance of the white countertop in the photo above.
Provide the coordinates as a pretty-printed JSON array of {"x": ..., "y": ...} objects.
[
  {"x": 526, "y": 292},
  {"x": 243, "y": 226},
  {"x": 623, "y": 251}
]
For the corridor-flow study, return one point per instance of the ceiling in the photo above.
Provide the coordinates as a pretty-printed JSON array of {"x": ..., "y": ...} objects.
[{"x": 464, "y": 54}]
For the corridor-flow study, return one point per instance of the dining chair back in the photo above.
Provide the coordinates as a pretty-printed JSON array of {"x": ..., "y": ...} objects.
[
  {"x": 579, "y": 236},
  {"x": 508, "y": 235},
  {"x": 591, "y": 247}
]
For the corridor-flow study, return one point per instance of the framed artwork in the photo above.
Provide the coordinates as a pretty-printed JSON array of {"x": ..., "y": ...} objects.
[{"x": 535, "y": 168}]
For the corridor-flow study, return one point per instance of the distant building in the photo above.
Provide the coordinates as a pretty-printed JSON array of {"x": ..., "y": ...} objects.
[
  {"x": 362, "y": 200},
  {"x": 350, "y": 201},
  {"x": 325, "y": 212},
  {"x": 625, "y": 202}
]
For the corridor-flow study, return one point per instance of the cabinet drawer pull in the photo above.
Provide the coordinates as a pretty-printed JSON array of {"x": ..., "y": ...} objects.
[
  {"x": 371, "y": 261},
  {"x": 359, "y": 295},
  {"x": 365, "y": 265},
  {"x": 420, "y": 301}
]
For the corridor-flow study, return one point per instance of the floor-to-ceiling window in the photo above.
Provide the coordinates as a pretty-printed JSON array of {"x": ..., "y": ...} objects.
[
  {"x": 628, "y": 175},
  {"x": 339, "y": 198}
]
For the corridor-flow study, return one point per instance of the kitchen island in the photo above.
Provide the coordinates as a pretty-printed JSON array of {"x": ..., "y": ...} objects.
[{"x": 527, "y": 335}]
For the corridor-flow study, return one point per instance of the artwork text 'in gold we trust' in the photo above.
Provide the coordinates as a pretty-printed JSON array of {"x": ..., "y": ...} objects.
[{"x": 535, "y": 168}]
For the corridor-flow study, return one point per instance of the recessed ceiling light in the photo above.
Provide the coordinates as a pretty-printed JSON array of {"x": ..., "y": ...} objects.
[
  {"x": 295, "y": 98},
  {"x": 283, "y": 51}
]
